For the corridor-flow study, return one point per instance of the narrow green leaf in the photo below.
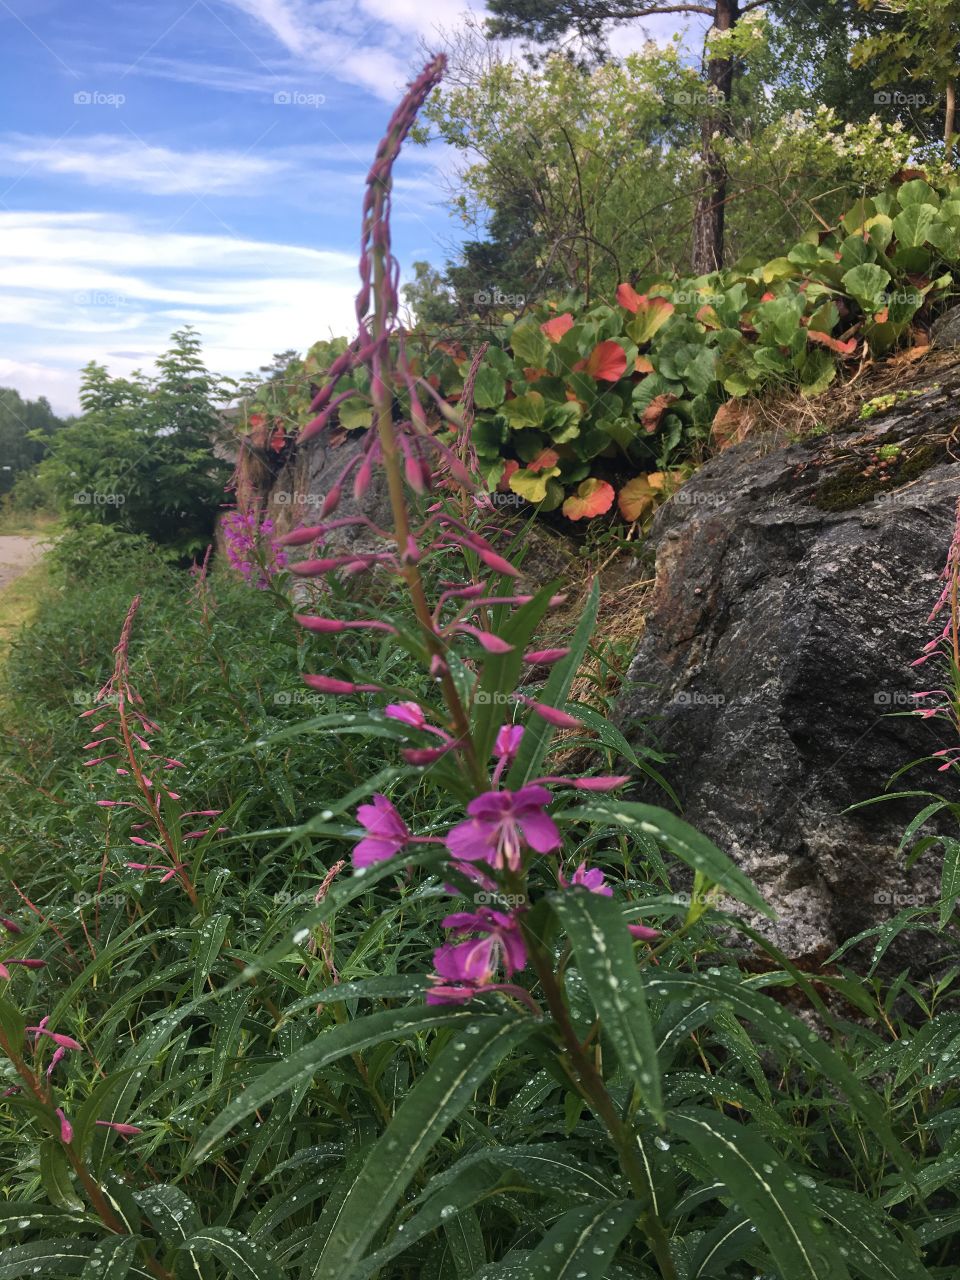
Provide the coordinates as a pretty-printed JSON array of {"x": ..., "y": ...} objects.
[
  {"x": 437, "y": 1098},
  {"x": 682, "y": 840},
  {"x": 949, "y": 880},
  {"x": 767, "y": 1191},
  {"x": 604, "y": 953},
  {"x": 56, "y": 1177},
  {"x": 394, "y": 1024},
  {"x": 44, "y": 1258},
  {"x": 212, "y": 933},
  {"x": 782, "y": 1030},
  {"x": 872, "y": 1240},
  {"x": 172, "y": 1214},
  {"x": 112, "y": 1259},
  {"x": 237, "y": 1254}
]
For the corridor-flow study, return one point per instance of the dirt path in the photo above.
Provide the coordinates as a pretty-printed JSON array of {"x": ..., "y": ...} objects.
[{"x": 18, "y": 553}]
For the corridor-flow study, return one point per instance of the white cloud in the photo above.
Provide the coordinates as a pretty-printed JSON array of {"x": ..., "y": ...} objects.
[
  {"x": 96, "y": 286},
  {"x": 109, "y": 160}
]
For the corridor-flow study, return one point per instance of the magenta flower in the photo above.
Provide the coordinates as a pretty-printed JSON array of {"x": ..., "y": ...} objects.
[
  {"x": 386, "y": 832},
  {"x": 591, "y": 879},
  {"x": 508, "y": 741},
  {"x": 500, "y": 823},
  {"x": 66, "y": 1128},
  {"x": 410, "y": 713},
  {"x": 125, "y": 1130},
  {"x": 463, "y": 969}
]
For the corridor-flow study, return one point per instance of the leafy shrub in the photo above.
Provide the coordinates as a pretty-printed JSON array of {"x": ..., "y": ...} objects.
[{"x": 141, "y": 456}]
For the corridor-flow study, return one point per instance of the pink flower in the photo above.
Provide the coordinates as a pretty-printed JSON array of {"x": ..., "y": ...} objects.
[
  {"x": 591, "y": 879},
  {"x": 552, "y": 715},
  {"x": 327, "y": 684},
  {"x": 508, "y": 741},
  {"x": 66, "y": 1128},
  {"x": 500, "y": 823},
  {"x": 386, "y": 832},
  {"x": 463, "y": 969},
  {"x": 410, "y": 713},
  {"x": 127, "y": 1130},
  {"x": 542, "y": 657}
]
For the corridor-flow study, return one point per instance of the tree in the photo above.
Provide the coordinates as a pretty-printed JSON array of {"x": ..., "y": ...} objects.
[
  {"x": 547, "y": 24},
  {"x": 923, "y": 42},
  {"x": 26, "y": 427},
  {"x": 141, "y": 455}
]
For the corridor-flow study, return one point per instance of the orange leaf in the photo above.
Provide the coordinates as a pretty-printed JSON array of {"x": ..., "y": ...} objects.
[
  {"x": 593, "y": 498},
  {"x": 643, "y": 365},
  {"x": 628, "y": 297},
  {"x": 607, "y": 362},
  {"x": 768, "y": 297},
  {"x": 532, "y": 374},
  {"x": 881, "y": 317},
  {"x": 709, "y": 318},
  {"x": 558, "y": 326},
  {"x": 509, "y": 467},
  {"x": 834, "y": 344},
  {"x": 731, "y": 423},
  {"x": 655, "y": 410},
  {"x": 543, "y": 461},
  {"x": 636, "y": 498}
]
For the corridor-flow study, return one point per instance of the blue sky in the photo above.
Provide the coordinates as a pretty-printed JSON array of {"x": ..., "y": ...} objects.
[{"x": 198, "y": 161}]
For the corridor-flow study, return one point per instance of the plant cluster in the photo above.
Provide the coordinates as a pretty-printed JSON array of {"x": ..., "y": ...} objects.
[{"x": 520, "y": 1038}]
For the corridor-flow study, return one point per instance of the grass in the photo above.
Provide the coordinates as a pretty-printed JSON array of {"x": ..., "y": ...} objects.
[{"x": 19, "y": 602}]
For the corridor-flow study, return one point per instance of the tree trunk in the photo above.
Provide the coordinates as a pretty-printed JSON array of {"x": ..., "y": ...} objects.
[
  {"x": 950, "y": 120},
  {"x": 708, "y": 223}
]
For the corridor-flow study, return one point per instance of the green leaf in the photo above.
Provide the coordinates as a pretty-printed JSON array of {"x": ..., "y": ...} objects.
[
  {"x": 529, "y": 344},
  {"x": 212, "y": 933},
  {"x": 172, "y": 1214},
  {"x": 604, "y": 953},
  {"x": 949, "y": 879},
  {"x": 235, "y": 1252},
  {"x": 489, "y": 388},
  {"x": 44, "y": 1258},
  {"x": 391, "y": 1164},
  {"x": 581, "y": 1245},
  {"x": 767, "y": 1190},
  {"x": 787, "y": 1033},
  {"x": 682, "y": 840},
  {"x": 56, "y": 1176},
  {"x": 111, "y": 1259},
  {"x": 350, "y": 1037},
  {"x": 867, "y": 283},
  {"x": 911, "y": 226},
  {"x": 538, "y": 733},
  {"x": 873, "y": 1244}
]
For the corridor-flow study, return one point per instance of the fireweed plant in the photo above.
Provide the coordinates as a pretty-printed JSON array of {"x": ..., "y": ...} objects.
[{"x": 496, "y": 1044}]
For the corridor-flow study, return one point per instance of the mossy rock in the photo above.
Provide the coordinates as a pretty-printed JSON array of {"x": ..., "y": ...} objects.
[{"x": 849, "y": 487}]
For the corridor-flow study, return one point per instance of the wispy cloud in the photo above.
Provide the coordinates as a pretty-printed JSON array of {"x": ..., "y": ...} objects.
[
  {"x": 95, "y": 286},
  {"x": 106, "y": 160}
]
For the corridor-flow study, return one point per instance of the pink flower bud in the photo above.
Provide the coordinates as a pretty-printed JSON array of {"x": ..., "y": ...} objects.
[{"x": 66, "y": 1128}]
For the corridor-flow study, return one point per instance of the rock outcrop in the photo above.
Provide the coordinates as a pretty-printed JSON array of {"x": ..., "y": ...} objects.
[{"x": 792, "y": 593}]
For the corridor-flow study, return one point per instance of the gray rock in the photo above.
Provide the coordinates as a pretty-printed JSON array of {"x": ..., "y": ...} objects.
[
  {"x": 945, "y": 330},
  {"x": 792, "y": 593}
]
